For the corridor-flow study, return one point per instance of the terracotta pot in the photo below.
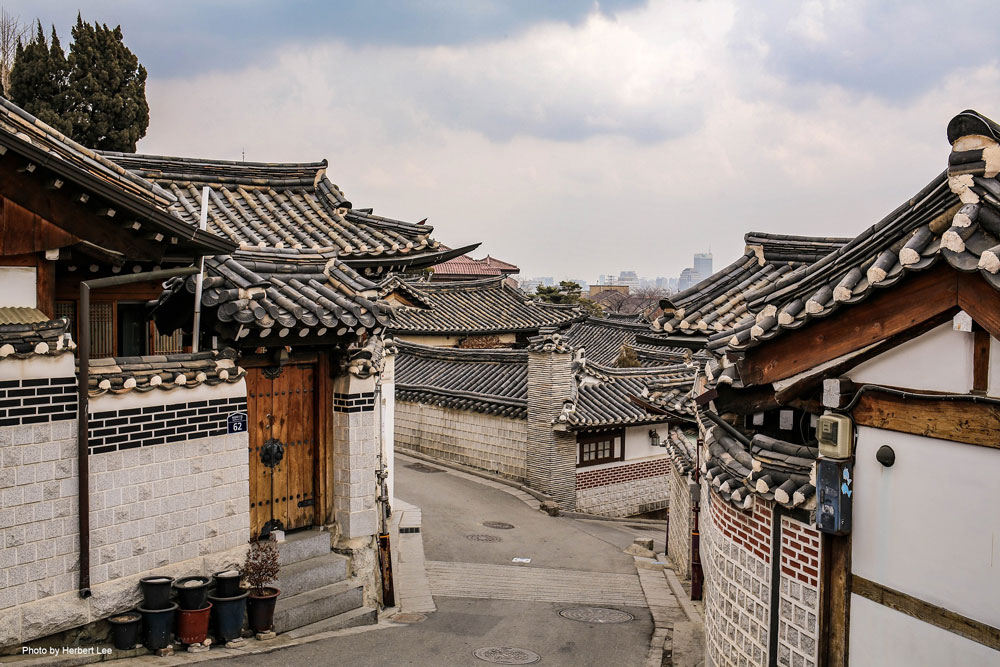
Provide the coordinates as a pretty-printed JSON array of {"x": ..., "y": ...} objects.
[
  {"x": 260, "y": 609},
  {"x": 192, "y": 624}
]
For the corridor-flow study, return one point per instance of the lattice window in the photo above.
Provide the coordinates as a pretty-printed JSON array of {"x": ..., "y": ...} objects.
[
  {"x": 604, "y": 447},
  {"x": 102, "y": 330},
  {"x": 67, "y": 309},
  {"x": 165, "y": 344}
]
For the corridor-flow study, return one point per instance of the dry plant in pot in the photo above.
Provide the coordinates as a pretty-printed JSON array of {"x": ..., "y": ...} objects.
[{"x": 260, "y": 569}]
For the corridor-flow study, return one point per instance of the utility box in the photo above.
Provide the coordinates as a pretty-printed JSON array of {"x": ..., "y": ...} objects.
[
  {"x": 834, "y": 496},
  {"x": 835, "y": 434}
]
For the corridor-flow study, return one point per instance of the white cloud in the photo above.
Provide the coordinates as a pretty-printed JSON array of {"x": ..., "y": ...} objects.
[{"x": 625, "y": 143}]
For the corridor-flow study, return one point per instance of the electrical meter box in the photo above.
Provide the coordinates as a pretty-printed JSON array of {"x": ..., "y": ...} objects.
[
  {"x": 836, "y": 436},
  {"x": 834, "y": 496}
]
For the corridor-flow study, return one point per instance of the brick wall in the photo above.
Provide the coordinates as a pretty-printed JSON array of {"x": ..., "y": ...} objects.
[
  {"x": 474, "y": 439},
  {"x": 171, "y": 508},
  {"x": 550, "y": 456},
  {"x": 624, "y": 489},
  {"x": 736, "y": 561},
  {"x": 679, "y": 530},
  {"x": 798, "y": 618}
]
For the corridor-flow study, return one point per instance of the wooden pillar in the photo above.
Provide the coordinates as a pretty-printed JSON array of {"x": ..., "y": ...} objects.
[
  {"x": 45, "y": 286},
  {"x": 835, "y": 601}
]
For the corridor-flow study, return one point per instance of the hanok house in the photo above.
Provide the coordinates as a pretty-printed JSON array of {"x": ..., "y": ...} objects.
[
  {"x": 859, "y": 550},
  {"x": 467, "y": 268},
  {"x": 590, "y": 436},
  {"x": 473, "y": 313},
  {"x": 298, "y": 301}
]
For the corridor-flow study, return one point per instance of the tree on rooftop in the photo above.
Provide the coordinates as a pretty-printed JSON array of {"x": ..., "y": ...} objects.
[
  {"x": 567, "y": 292},
  {"x": 107, "y": 89},
  {"x": 38, "y": 80},
  {"x": 627, "y": 358}
]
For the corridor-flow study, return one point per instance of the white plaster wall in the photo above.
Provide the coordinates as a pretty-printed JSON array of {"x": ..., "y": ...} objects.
[
  {"x": 884, "y": 637},
  {"x": 387, "y": 405},
  {"x": 637, "y": 446},
  {"x": 927, "y": 526},
  {"x": 18, "y": 286},
  {"x": 993, "y": 387},
  {"x": 58, "y": 366},
  {"x": 939, "y": 360}
]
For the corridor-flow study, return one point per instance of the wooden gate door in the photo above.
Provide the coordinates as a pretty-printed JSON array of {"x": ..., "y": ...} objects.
[{"x": 282, "y": 407}]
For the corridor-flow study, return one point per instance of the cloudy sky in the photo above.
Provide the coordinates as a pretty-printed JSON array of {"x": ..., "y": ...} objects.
[{"x": 573, "y": 139}]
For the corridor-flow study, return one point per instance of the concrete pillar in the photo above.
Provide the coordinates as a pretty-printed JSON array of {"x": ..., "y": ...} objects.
[
  {"x": 550, "y": 455},
  {"x": 355, "y": 445}
]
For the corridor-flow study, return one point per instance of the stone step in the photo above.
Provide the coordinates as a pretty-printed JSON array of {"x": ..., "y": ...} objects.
[
  {"x": 316, "y": 605},
  {"x": 303, "y": 546},
  {"x": 349, "y": 619},
  {"x": 310, "y": 574}
]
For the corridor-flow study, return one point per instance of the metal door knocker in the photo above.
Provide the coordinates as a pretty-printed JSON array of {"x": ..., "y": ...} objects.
[{"x": 272, "y": 452}]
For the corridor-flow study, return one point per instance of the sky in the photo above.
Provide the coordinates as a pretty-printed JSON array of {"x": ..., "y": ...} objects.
[{"x": 573, "y": 138}]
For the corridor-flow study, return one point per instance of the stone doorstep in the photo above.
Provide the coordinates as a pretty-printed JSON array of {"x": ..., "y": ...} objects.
[
  {"x": 316, "y": 605},
  {"x": 310, "y": 574},
  {"x": 303, "y": 545}
]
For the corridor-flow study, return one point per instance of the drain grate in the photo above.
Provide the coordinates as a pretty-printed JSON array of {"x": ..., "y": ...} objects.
[
  {"x": 596, "y": 615},
  {"x": 420, "y": 467},
  {"x": 408, "y": 618},
  {"x": 507, "y": 655},
  {"x": 483, "y": 538},
  {"x": 498, "y": 524}
]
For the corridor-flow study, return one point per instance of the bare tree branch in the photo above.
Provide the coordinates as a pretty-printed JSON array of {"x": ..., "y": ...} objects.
[{"x": 12, "y": 32}]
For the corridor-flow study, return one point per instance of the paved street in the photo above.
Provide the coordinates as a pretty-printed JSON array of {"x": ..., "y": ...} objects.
[{"x": 484, "y": 600}]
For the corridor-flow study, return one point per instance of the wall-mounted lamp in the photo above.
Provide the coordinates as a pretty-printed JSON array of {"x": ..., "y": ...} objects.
[
  {"x": 886, "y": 456},
  {"x": 654, "y": 438}
]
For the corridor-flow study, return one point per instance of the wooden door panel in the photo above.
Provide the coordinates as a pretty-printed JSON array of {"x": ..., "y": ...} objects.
[
  {"x": 300, "y": 432},
  {"x": 258, "y": 407}
]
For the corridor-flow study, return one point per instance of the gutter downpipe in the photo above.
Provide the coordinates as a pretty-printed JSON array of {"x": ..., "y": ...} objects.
[
  {"x": 82, "y": 422},
  {"x": 202, "y": 225}
]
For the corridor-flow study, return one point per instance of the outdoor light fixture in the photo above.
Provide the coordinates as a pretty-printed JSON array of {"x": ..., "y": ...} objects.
[{"x": 654, "y": 438}]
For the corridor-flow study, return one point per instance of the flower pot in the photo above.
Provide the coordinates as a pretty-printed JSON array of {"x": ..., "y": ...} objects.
[
  {"x": 227, "y": 616},
  {"x": 192, "y": 624},
  {"x": 155, "y": 592},
  {"x": 260, "y": 612},
  {"x": 156, "y": 626},
  {"x": 125, "y": 630},
  {"x": 227, "y": 583},
  {"x": 191, "y": 592}
]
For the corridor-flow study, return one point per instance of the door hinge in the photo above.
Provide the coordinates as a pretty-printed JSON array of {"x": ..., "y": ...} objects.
[{"x": 308, "y": 502}]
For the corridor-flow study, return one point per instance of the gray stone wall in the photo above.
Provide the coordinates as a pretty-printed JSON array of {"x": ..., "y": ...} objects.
[
  {"x": 798, "y": 613},
  {"x": 355, "y": 448},
  {"x": 550, "y": 457},
  {"x": 487, "y": 442},
  {"x": 679, "y": 530}
]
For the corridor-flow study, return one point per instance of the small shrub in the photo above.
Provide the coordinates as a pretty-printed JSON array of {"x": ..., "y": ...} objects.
[{"x": 261, "y": 566}]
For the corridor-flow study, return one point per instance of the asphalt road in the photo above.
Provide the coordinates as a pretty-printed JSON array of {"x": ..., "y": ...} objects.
[{"x": 453, "y": 508}]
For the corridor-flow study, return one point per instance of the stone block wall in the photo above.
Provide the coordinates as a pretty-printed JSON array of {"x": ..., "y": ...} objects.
[
  {"x": 736, "y": 557},
  {"x": 156, "y": 507},
  {"x": 624, "y": 489},
  {"x": 679, "y": 529},
  {"x": 550, "y": 455},
  {"x": 798, "y": 617},
  {"x": 487, "y": 442},
  {"x": 355, "y": 448}
]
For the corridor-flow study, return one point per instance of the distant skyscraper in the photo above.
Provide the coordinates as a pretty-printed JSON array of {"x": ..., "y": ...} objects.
[
  {"x": 703, "y": 264},
  {"x": 688, "y": 278}
]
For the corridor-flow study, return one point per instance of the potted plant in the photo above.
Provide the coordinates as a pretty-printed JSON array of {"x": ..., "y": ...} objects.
[
  {"x": 125, "y": 630},
  {"x": 260, "y": 569}
]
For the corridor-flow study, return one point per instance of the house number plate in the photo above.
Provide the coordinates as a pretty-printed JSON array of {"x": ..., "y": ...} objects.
[{"x": 237, "y": 423}]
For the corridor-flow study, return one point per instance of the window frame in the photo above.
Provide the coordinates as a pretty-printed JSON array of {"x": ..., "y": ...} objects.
[{"x": 617, "y": 438}]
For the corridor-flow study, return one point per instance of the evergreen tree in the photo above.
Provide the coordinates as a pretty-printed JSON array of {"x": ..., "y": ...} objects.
[
  {"x": 38, "y": 80},
  {"x": 568, "y": 292},
  {"x": 107, "y": 89}
]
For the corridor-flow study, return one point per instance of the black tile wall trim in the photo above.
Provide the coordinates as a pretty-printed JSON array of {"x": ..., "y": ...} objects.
[
  {"x": 117, "y": 430},
  {"x": 363, "y": 402},
  {"x": 37, "y": 401}
]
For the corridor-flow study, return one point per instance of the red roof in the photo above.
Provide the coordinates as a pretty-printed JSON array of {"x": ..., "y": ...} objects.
[{"x": 466, "y": 266}]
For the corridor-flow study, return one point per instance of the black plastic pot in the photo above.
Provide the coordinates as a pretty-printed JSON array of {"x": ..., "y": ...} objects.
[
  {"x": 125, "y": 630},
  {"x": 260, "y": 609},
  {"x": 155, "y": 592},
  {"x": 157, "y": 624},
  {"x": 191, "y": 592},
  {"x": 227, "y": 583},
  {"x": 227, "y": 616}
]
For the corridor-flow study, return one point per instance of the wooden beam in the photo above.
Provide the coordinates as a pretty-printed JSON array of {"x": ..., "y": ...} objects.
[
  {"x": 957, "y": 421},
  {"x": 981, "y": 301},
  {"x": 980, "y": 360},
  {"x": 835, "y": 601},
  {"x": 45, "y": 286},
  {"x": 932, "y": 614},
  {"x": 887, "y": 313}
]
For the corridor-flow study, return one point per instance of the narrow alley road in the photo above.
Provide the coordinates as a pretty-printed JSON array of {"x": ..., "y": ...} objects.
[{"x": 471, "y": 535}]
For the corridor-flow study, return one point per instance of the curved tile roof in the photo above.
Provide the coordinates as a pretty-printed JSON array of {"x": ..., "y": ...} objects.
[
  {"x": 467, "y": 266},
  {"x": 276, "y": 205},
  {"x": 26, "y": 332},
  {"x": 120, "y": 375},
  {"x": 602, "y": 340},
  {"x": 276, "y": 294},
  {"x": 473, "y": 307},
  {"x": 481, "y": 380}
]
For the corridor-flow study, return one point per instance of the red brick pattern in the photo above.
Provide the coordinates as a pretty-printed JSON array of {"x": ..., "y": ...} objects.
[
  {"x": 800, "y": 552},
  {"x": 589, "y": 479},
  {"x": 751, "y": 530}
]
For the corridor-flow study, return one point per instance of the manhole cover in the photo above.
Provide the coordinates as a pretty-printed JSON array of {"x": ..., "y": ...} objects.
[
  {"x": 507, "y": 655},
  {"x": 596, "y": 615},
  {"x": 420, "y": 467},
  {"x": 483, "y": 538},
  {"x": 498, "y": 524}
]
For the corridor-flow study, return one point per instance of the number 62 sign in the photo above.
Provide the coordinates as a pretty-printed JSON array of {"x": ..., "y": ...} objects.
[{"x": 237, "y": 423}]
